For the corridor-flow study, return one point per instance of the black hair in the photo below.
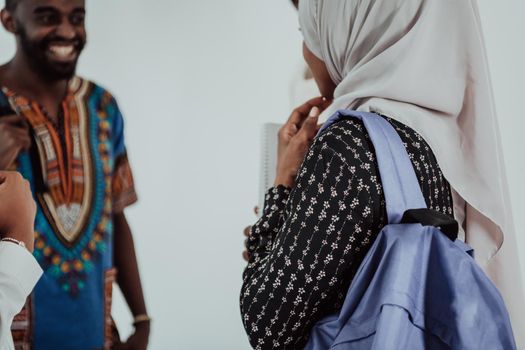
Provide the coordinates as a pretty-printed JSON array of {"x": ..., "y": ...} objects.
[
  {"x": 295, "y": 2},
  {"x": 10, "y": 5}
]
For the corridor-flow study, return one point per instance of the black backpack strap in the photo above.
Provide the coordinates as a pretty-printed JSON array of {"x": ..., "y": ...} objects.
[{"x": 429, "y": 217}]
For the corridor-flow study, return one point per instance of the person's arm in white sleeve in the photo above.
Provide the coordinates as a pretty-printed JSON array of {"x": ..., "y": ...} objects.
[{"x": 19, "y": 272}]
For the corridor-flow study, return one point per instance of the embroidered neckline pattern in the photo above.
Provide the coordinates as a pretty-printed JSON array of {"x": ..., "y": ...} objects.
[{"x": 79, "y": 234}]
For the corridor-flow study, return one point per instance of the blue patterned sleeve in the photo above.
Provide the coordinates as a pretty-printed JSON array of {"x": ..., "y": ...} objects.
[{"x": 123, "y": 187}]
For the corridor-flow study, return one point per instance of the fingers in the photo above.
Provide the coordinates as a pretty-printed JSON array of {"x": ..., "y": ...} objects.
[
  {"x": 285, "y": 134},
  {"x": 290, "y": 129},
  {"x": 16, "y": 127},
  {"x": 325, "y": 104},
  {"x": 306, "y": 107},
  {"x": 310, "y": 127},
  {"x": 15, "y": 136},
  {"x": 14, "y": 179},
  {"x": 19, "y": 137},
  {"x": 247, "y": 233},
  {"x": 15, "y": 120},
  {"x": 298, "y": 117},
  {"x": 9, "y": 157},
  {"x": 301, "y": 113},
  {"x": 256, "y": 210},
  {"x": 246, "y": 256}
]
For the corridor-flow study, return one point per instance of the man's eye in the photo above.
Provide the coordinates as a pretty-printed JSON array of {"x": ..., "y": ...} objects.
[
  {"x": 77, "y": 19},
  {"x": 48, "y": 19}
]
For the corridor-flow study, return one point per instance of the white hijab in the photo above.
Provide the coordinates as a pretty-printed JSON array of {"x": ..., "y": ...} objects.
[{"x": 423, "y": 63}]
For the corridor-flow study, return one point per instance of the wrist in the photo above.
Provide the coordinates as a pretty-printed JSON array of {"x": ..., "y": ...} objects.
[
  {"x": 284, "y": 180},
  {"x": 142, "y": 321},
  {"x": 143, "y": 327},
  {"x": 20, "y": 239},
  {"x": 14, "y": 241}
]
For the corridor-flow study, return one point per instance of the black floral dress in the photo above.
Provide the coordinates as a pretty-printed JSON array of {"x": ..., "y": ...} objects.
[{"x": 310, "y": 240}]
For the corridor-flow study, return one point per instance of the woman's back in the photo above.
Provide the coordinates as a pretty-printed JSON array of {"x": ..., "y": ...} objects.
[{"x": 310, "y": 241}]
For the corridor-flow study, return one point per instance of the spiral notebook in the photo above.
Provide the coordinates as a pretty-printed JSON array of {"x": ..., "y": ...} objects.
[{"x": 268, "y": 159}]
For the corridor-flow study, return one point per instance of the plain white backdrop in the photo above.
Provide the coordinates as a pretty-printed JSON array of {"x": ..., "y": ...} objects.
[{"x": 195, "y": 80}]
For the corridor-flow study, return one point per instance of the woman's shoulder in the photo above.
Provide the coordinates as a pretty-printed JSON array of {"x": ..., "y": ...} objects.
[
  {"x": 344, "y": 136},
  {"x": 351, "y": 133}
]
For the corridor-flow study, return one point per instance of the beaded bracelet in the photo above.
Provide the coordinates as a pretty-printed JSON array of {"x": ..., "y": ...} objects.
[
  {"x": 141, "y": 318},
  {"x": 15, "y": 241}
]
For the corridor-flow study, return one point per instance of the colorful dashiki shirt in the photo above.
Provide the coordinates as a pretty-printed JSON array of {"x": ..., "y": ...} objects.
[{"x": 80, "y": 175}]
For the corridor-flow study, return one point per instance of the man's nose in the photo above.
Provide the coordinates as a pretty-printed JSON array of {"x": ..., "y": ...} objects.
[{"x": 66, "y": 30}]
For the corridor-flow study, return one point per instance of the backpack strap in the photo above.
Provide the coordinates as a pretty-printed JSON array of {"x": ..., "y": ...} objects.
[{"x": 400, "y": 184}]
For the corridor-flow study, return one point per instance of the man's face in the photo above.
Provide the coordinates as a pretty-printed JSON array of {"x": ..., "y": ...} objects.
[{"x": 51, "y": 34}]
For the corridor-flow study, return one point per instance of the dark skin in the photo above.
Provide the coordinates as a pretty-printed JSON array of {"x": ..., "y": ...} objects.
[
  {"x": 60, "y": 25},
  {"x": 129, "y": 282},
  {"x": 39, "y": 18}
]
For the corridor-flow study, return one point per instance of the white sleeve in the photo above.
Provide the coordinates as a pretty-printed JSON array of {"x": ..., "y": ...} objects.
[{"x": 19, "y": 272}]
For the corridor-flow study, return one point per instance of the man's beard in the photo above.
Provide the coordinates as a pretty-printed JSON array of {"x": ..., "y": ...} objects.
[{"x": 35, "y": 51}]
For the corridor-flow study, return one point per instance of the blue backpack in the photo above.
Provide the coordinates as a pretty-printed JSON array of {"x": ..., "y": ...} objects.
[{"x": 418, "y": 287}]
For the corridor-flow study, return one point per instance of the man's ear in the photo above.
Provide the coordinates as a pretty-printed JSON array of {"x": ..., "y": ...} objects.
[{"x": 8, "y": 21}]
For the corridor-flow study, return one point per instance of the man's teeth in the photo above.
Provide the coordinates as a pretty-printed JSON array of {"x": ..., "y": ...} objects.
[{"x": 62, "y": 51}]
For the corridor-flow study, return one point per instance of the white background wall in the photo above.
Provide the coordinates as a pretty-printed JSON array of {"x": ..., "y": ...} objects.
[{"x": 195, "y": 80}]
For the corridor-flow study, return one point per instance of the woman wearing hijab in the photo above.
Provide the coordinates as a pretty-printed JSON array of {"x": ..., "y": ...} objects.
[{"x": 422, "y": 65}]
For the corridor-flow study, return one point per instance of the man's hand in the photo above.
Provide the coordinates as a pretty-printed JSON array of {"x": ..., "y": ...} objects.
[
  {"x": 138, "y": 340},
  {"x": 128, "y": 280},
  {"x": 14, "y": 137},
  {"x": 17, "y": 208},
  {"x": 295, "y": 138}
]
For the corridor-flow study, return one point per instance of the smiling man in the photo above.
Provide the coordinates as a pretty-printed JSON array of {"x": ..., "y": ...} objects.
[{"x": 65, "y": 135}]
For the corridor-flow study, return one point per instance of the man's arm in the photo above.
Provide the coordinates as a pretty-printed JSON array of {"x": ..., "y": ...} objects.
[{"x": 128, "y": 279}]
